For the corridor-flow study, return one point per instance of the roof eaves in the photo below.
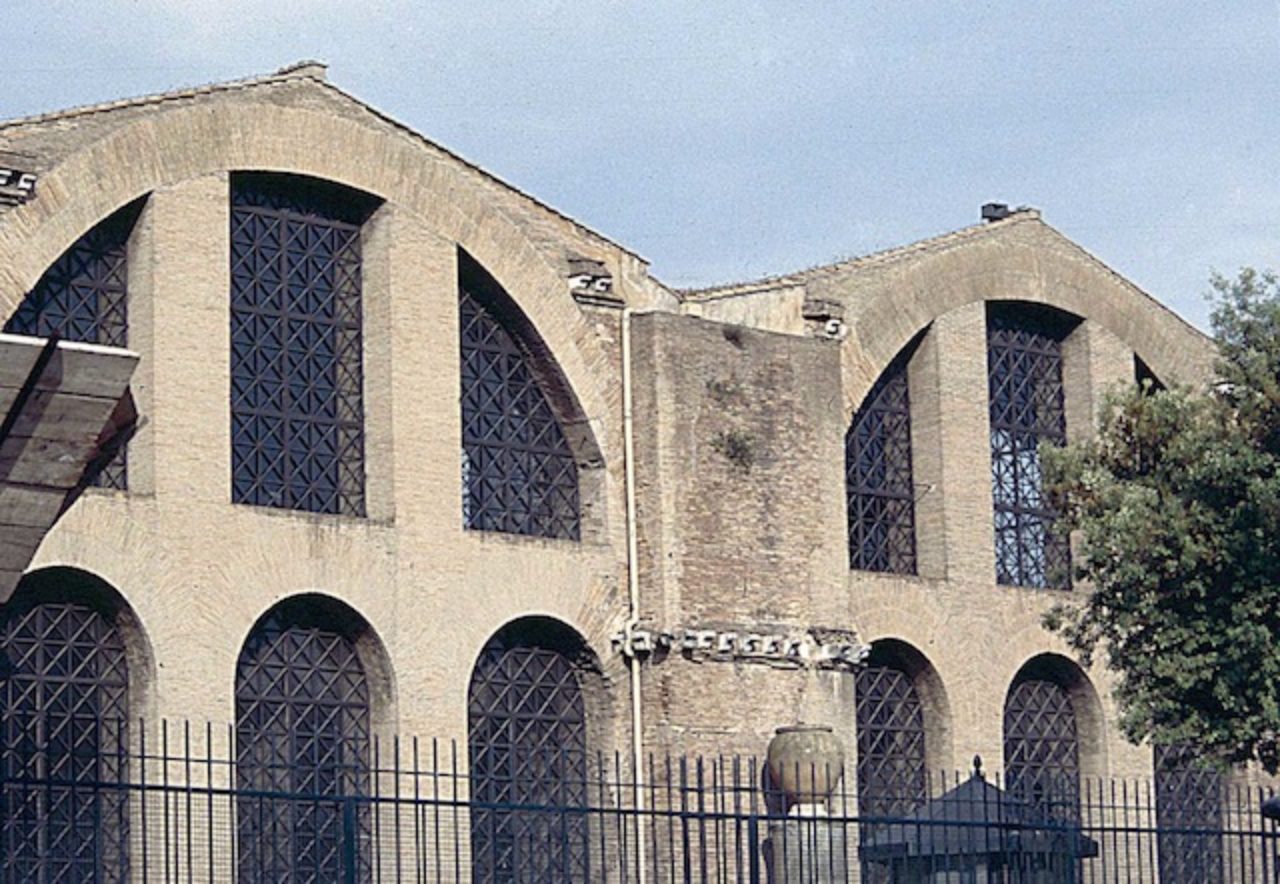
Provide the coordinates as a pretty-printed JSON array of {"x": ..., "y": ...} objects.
[
  {"x": 820, "y": 271},
  {"x": 301, "y": 71},
  {"x": 315, "y": 72},
  {"x": 413, "y": 133}
]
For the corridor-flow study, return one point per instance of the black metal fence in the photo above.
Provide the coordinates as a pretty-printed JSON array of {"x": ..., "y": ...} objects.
[{"x": 169, "y": 806}]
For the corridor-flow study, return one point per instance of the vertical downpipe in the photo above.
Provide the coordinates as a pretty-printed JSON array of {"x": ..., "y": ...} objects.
[{"x": 633, "y": 595}]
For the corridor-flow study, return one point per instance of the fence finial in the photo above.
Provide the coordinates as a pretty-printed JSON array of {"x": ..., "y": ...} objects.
[{"x": 977, "y": 767}]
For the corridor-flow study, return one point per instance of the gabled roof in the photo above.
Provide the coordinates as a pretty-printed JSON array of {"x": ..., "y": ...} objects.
[
  {"x": 49, "y": 137},
  {"x": 825, "y": 275}
]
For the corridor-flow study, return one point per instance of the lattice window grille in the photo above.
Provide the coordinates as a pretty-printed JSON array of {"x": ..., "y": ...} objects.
[
  {"x": 528, "y": 746},
  {"x": 297, "y": 413},
  {"x": 64, "y": 724},
  {"x": 878, "y": 481},
  {"x": 518, "y": 473},
  {"x": 1026, "y": 406},
  {"x": 892, "y": 778},
  {"x": 1188, "y": 797},
  {"x": 83, "y": 297},
  {"x": 1041, "y": 749},
  {"x": 302, "y": 729}
]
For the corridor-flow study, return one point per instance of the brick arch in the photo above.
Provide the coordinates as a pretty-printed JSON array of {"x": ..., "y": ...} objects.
[
  {"x": 342, "y": 617},
  {"x": 904, "y": 655},
  {"x": 69, "y": 583},
  {"x": 1042, "y": 268},
  {"x": 173, "y": 144},
  {"x": 1086, "y": 704}
]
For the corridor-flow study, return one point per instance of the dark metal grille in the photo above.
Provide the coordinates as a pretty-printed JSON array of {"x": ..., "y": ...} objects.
[
  {"x": 1188, "y": 817},
  {"x": 891, "y": 747},
  {"x": 64, "y": 719},
  {"x": 528, "y": 746},
  {"x": 302, "y": 728},
  {"x": 1041, "y": 751},
  {"x": 518, "y": 474},
  {"x": 83, "y": 297},
  {"x": 879, "y": 490},
  {"x": 297, "y": 416},
  {"x": 1024, "y": 362}
]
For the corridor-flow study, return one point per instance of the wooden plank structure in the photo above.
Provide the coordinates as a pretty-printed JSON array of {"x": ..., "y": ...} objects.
[{"x": 67, "y": 409}]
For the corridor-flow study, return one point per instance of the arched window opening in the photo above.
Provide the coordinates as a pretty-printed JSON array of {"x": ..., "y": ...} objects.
[
  {"x": 519, "y": 474},
  {"x": 1042, "y": 746},
  {"x": 64, "y": 677},
  {"x": 84, "y": 297},
  {"x": 1024, "y": 364},
  {"x": 878, "y": 481},
  {"x": 527, "y": 737},
  {"x": 303, "y": 728},
  {"x": 1188, "y": 817},
  {"x": 297, "y": 410},
  {"x": 1145, "y": 377},
  {"x": 892, "y": 773}
]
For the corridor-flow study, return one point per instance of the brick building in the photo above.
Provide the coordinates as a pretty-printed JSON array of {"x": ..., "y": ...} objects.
[{"x": 396, "y": 423}]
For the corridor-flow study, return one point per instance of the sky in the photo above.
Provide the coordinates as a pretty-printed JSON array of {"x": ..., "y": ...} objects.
[{"x": 730, "y": 139}]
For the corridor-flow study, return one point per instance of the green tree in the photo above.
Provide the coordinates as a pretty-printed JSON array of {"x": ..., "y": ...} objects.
[{"x": 1177, "y": 505}]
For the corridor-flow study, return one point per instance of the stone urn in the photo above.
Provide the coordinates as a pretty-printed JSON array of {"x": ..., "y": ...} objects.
[{"x": 806, "y": 762}]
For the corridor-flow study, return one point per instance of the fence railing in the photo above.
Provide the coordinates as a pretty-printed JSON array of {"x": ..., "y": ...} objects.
[{"x": 193, "y": 805}]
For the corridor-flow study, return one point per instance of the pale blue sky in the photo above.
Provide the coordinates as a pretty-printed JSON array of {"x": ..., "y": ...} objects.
[{"x": 726, "y": 140}]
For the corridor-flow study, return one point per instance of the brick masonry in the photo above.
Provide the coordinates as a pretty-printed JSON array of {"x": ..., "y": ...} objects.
[{"x": 741, "y": 405}]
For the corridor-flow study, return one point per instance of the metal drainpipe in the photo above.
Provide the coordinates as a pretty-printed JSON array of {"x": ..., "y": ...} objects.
[{"x": 633, "y": 594}]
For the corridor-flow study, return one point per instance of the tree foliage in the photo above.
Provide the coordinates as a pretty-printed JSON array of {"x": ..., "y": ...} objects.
[{"x": 1177, "y": 505}]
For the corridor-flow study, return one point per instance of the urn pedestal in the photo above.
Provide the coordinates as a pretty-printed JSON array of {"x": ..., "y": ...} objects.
[{"x": 806, "y": 765}]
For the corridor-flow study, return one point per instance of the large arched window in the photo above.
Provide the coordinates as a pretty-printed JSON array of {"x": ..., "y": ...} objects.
[
  {"x": 1042, "y": 745},
  {"x": 84, "y": 297},
  {"x": 1024, "y": 369},
  {"x": 297, "y": 412},
  {"x": 64, "y": 720},
  {"x": 527, "y": 735},
  {"x": 1188, "y": 817},
  {"x": 518, "y": 473},
  {"x": 302, "y": 729},
  {"x": 878, "y": 483}
]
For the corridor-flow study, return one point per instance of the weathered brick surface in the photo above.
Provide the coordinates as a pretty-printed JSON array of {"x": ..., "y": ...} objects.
[{"x": 739, "y": 438}]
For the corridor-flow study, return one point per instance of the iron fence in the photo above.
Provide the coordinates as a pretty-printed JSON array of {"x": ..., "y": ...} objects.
[{"x": 166, "y": 804}]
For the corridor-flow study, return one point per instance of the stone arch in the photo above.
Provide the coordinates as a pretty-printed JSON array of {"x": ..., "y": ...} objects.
[
  {"x": 530, "y": 742},
  {"x": 1026, "y": 260},
  {"x": 343, "y": 619},
  {"x": 73, "y": 666},
  {"x": 1086, "y": 706},
  {"x": 552, "y": 633},
  {"x": 309, "y": 677},
  {"x": 65, "y": 583},
  {"x": 903, "y": 656},
  {"x": 241, "y": 132}
]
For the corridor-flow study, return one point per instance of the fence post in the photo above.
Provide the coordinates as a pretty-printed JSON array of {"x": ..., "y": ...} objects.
[
  {"x": 753, "y": 848},
  {"x": 350, "y": 838}
]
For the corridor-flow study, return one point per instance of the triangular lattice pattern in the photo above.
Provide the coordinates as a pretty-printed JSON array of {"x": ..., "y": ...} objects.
[
  {"x": 1041, "y": 749},
  {"x": 302, "y": 730},
  {"x": 297, "y": 414},
  {"x": 1188, "y": 798},
  {"x": 878, "y": 483},
  {"x": 1024, "y": 366},
  {"x": 891, "y": 743},
  {"x": 519, "y": 475},
  {"x": 83, "y": 297},
  {"x": 64, "y": 683},
  {"x": 528, "y": 750}
]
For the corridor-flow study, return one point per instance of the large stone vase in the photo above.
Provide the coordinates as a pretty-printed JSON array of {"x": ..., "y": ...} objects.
[{"x": 806, "y": 762}]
